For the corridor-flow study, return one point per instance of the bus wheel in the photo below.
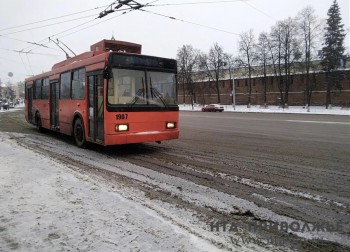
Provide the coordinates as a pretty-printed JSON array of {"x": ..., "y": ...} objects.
[{"x": 79, "y": 133}]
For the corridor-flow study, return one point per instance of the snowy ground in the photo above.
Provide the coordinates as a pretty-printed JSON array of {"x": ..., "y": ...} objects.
[
  {"x": 17, "y": 107},
  {"x": 321, "y": 110},
  {"x": 276, "y": 109},
  {"x": 49, "y": 202},
  {"x": 46, "y": 206}
]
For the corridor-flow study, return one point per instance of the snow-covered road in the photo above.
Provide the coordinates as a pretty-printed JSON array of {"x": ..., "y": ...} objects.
[
  {"x": 47, "y": 207},
  {"x": 148, "y": 197}
]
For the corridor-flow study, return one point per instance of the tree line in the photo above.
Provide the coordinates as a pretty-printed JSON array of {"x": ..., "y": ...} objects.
[{"x": 300, "y": 44}]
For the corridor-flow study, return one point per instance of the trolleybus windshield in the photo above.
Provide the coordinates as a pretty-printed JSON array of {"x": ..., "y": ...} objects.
[
  {"x": 147, "y": 88},
  {"x": 141, "y": 82}
]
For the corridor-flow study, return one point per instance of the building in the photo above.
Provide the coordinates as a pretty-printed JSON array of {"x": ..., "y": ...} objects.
[{"x": 205, "y": 93}]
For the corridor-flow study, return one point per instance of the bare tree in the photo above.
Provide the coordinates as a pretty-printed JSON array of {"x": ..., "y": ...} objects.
[
  {"x": 187, "y": 58},
  {"x": 310, "y": 31},
  {"x": 263, "y": 54},
  {"x": 287, "y": 52},
  {"x": 275, "y": 49},
  {"x": 213, "y": 65},
  {"x": 247, "y": 56},
  {"x": 230, "y": 62},
  {"x": 9, "y": 92}
]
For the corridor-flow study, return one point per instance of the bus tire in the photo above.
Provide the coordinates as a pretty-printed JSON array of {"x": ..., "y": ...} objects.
[{"x": 79, "y": 133}]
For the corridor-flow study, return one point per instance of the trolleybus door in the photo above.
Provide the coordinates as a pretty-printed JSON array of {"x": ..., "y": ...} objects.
[
  {"x": 96, "y": 118},
  {"x": 30, "y": 103},
  {"x": 54, "y": 92}
]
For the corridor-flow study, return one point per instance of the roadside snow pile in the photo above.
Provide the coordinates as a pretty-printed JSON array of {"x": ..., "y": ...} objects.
[
  {"x": 276, "y": 109},
  {"x": 47, "y": 207},
  {"x": 18, "y": 107}
]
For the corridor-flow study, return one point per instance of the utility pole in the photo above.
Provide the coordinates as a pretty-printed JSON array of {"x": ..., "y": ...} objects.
[
  {"x": 233, "y": 94},
  {"x": 232, "y": 83}
]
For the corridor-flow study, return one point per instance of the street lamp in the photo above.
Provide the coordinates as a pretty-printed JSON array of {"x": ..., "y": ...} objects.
[
  {"x": 232, "y": 80},
  {"x": 233, "y": 93}
]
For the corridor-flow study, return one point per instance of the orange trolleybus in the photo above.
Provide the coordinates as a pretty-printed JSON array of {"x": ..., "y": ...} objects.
[{"x": 110, "y": 95}]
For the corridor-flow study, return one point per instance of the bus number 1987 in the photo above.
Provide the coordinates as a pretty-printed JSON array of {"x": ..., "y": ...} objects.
[{"x": 122, "y": 116}]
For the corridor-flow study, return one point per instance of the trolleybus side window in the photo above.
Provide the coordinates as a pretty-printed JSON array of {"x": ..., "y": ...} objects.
[
  {"x": 65, "y": 86},
  {"x": 45, "y": 89},
  {"x": 78, "y": 84},
  {"x": 37, "y": 90}
]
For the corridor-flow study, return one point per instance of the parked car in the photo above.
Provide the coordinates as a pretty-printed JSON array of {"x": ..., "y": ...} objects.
[
  {"x": 5, "y": 106},
  {"x": 213, "y": 108}
]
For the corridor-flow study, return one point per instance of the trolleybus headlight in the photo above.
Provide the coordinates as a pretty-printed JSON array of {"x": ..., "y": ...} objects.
[
  {"x": 122, "y": 127},
  {"x": 171, "y": 125}
]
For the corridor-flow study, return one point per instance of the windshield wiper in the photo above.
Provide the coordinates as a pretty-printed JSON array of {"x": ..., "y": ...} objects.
[
  {"x": 156, "y": 93},
  {"x": 138, "y": 95}
]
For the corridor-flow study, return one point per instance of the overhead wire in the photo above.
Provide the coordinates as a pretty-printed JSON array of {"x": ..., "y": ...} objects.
[
  {"x": 119, "y": 10},
  {"x": 43, "y": 26},
  {"x": 21, "y": 51},
  {"x": 40, "y": 44},
  {"x": 257, "y": 9},
  {"x": 25, "y": 41},
  {"x": 189, "y": 22},
  {"x": 30, "y": 66},
  {"x": 41, "y": 21},
  {"x": 56, "y": 35},
  {"x": 216, "y": 2},
  {"x": 198, "y": 3},
  {"x": 45, "y": 20},
  {"x": 36, "y": 45},
  {"x": 72, "y": 28},
  {"x": 25, "y": 67},
  {"x": 90, "y": 25},
  {"x": 151, "y": 4}
]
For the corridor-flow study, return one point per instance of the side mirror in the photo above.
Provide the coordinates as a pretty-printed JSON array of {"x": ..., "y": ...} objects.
[{"x": 107, "y": 73}]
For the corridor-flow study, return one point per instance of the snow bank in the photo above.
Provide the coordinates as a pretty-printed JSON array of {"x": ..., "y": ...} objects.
[{"x": 276, "y": 109}]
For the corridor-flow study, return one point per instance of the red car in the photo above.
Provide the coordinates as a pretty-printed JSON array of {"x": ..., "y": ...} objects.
[{"x": 213, "y": 108}]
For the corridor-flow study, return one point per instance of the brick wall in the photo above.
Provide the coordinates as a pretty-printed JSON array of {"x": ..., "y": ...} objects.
[{"x": 205, "y": 92}]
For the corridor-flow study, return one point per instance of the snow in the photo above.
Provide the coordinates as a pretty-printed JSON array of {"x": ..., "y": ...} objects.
[
  {"x": 17, "y": 107},
  {"x": 47, "y": 207},
  {"x": 321, "y": 110}
]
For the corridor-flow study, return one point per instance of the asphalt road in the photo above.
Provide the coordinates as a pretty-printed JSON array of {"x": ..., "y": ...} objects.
[
  {"x": 293, "y": 165},
  {"x": 307, "y": 154},
  {"x": 233, "y": 167}
]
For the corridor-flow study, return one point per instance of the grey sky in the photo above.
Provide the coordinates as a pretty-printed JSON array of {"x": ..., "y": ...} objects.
[{"x": 159, "y": 36}]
